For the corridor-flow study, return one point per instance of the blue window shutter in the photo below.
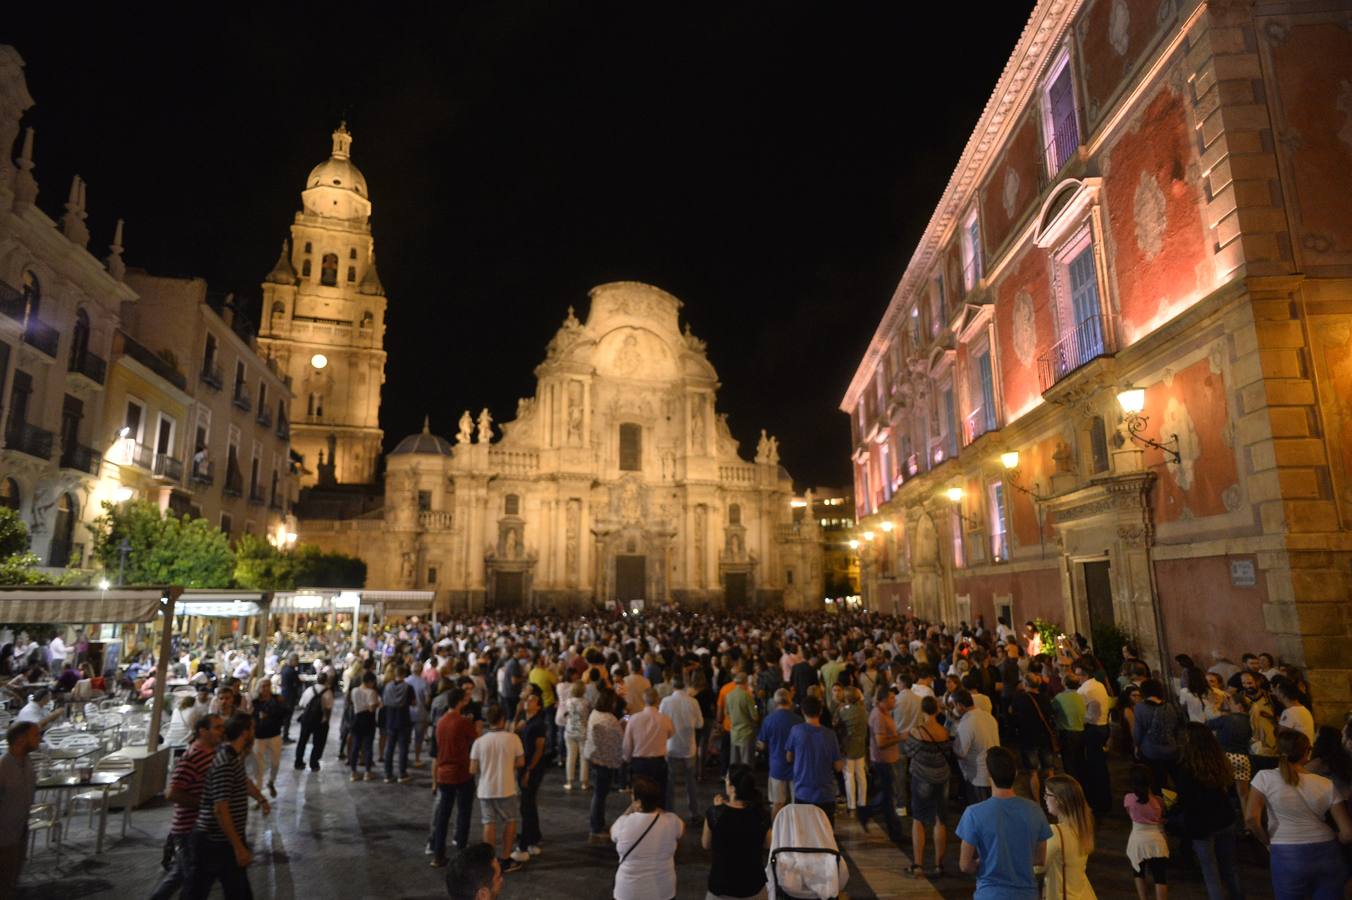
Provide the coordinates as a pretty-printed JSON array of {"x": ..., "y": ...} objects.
[{"x": 987, "y": 390}]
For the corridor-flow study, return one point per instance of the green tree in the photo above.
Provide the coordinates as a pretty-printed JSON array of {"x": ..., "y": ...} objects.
[
  {"x": 165, "y": 549},
  {"x": 262, "y": 567},
  {"x": 17, "y": 564}
]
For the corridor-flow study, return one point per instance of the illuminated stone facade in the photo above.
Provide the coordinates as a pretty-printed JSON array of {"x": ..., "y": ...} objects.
[
  {"x": 1155, "y": 197},
  {"x": 323, "y": 321},
  {"x": 619, "y": 480}
]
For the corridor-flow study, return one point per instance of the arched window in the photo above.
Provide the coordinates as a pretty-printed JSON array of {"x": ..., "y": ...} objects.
[
  {"x": 315, "y": 405},
  {"x": 511, "y": 505},
  {"x": 351, "y": 274},
  {"x": 631, "y": 447},
  {"x": 32, "y": 292},
  {"x": 367, "y": 319},
  {"x": 734, "y": 514},
  {"x": 9, "y": 494},
  {"x": 278, "y": 309},
  {"x": 328, "y": 273},
  {"x": 305, "y": 269},
  {"x": 63, "y": 531},
  {"x": 79, "y": 343},
  {"x": 307, "y": 246},
  {"x": 352, "y": 253}
]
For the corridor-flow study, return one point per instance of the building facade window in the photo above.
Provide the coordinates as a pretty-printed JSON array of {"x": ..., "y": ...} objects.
[
  {"x": 936, "y": 294},
  {"x": 734, "y": 514},
  {"x": 511, "y": 505},
  {"x": 1079, "y": 305},
  {"x": 305, "y": 269},
  {"x": 1060, "y": 128},
  {"x": 999, "y": 531},
  {"x": 9, "y": 494},
  {"x": 424, "y": 501},
  {"x": 314, "y": 405},
  {"x": 971, "y": 251},
  {"x": 328, "y": 270},
  {"x": 631, "y": 447}
]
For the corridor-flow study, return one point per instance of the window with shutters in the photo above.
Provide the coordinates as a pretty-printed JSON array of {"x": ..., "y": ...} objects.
[
  {"x": 511, "y": 505},
  {"x": 631, "y": 447},
  {"x": 1060, "y": 128}
]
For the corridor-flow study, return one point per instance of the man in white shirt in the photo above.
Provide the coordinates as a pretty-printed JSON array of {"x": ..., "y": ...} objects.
[
  {"x": 924, "y": 684},
  {"x": 684, "y": 712},
  {"x": 58, "y": 650},
  {"x": 977, "y": 732},
  {"x": 494, "y": 757},
  {"x": 1295, "y": 716},
  {"x": 1096, "y": 787}
]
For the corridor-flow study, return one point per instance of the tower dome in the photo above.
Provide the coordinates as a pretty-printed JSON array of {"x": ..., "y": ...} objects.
[
  {"x": 336, "y": 187},
  {"x": 424, "y": 443}
]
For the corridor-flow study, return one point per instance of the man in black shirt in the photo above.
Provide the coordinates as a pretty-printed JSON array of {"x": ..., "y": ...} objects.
[
  {"x": 290, "y": 692},
  {"x": 532, "y": 731},
  {"x": 219, "y": 852}
]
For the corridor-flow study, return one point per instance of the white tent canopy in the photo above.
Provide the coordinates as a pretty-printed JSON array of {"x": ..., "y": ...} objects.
[{"x": 222, "y": 604}]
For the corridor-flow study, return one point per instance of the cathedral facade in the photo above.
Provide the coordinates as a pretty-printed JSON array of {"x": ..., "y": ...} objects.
[
  {"x": 323, "y": 321},
  {"x": 618, "y": 481}
]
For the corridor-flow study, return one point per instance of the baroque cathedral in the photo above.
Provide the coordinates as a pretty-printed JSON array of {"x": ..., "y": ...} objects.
[{"x": 619, "y": 481}]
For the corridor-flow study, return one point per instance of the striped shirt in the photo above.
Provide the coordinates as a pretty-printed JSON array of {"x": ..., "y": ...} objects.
[
  {"x": 190, "y": 776},
  {"x": 225, "y": 781}
]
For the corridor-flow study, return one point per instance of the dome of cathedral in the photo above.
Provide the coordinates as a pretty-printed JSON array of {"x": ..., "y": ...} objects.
[
  {"x": 338, "y": 171},
  {"x": 423, "y": 443}
]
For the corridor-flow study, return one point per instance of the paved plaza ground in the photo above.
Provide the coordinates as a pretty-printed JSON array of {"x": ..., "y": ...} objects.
[{"x": 330, "y": 837}]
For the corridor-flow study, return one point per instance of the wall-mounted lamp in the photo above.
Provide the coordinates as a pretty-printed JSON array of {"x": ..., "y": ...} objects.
[
  {"x": 955, "y": 495},
  {"x": 1132, "y": 401},
  {"x": 868, "y": 536},
  {"x": 854, "y": 545},
  {"x": 122, "y": 494},
  {"x": 1010, "y": 460},
  {"x": 886, "y": 526}
]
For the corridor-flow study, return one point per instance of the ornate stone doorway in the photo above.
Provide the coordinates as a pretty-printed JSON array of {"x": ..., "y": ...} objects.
[
  {"x": 1098, "y": 594},
  {"x": 735, "y": 593},
  {"x": 509, "y": 590},
  {"x": 631, "y": 578}
]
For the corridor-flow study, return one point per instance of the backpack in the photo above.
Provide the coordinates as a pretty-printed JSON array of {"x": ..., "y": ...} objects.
[{"x": 313, "y": 713}]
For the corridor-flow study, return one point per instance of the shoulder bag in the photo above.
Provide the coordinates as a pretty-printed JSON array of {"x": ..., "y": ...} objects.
[{"x": 656, "y": 816}]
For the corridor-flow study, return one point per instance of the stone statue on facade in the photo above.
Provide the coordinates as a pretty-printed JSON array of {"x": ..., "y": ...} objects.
[
  {"x": 485, "y": 426},
  {"x": 762, "y": 447},
  {"x": 772, "y": 451},
  {"x": 466, "y": 432}
]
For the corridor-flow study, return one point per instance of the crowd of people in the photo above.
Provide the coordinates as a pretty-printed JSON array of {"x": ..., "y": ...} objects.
[{"x": 872, "y": 717}]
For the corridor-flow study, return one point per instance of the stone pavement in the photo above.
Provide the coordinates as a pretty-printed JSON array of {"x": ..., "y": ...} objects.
[{"x": 329, "y": 837}]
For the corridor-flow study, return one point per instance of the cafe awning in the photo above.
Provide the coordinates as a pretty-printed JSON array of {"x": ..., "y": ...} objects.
[{"x": 80, "y": 606}]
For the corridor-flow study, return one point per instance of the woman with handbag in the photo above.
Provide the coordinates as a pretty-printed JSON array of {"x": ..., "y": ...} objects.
[
  {"x": 646, "y": 837},
  {"x": 1071, "y": 842}
]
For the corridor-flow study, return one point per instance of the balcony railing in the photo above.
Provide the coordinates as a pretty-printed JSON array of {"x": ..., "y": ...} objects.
[
  {"x": 29, "y": 439},
  {"x": 211, "y": 375},
  {"x": 1064, "y": 141},
  {"x": 976, "y": 423},
  {"x": 241, "y": 399},
  {"x": 256, "y": 497},
  {"x": 42, "y": 336},
  {"x": 155, "y": 363},
  {"x": 435, "y": 519},
  {"x": 234, "y": 484},
  {"x": 201, "y": 472},
  {"x": 264, "y": 417},
  {"x": 283, "y": 429},
  {"x": 93, "y": 367},
  {"x": 1094, "y": 337},
  {"x": 168, "y": 468},
  {"x": 81, "y": 459},
  {"x": 130, "y": 453}
]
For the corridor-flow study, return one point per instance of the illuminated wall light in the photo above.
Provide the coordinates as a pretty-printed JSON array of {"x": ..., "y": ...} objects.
[
  {"x": 954, "y": 494},
  {"x": 1132, "y": 399},
  {"x": 868, "y": 535},
  {"x": 122, "y": 494},
  {"x": 886, "y": 526},
  {"x": 797, "y": 504},
  {"x": 1010, "y": 460},
  {"x": 854, "y": 545}
]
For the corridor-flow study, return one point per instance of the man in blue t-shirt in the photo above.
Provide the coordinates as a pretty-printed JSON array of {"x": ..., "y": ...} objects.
[
  {"x": 774, "y": 737},
  {"x": 815, "y": 755},
  {"x": 1003, "y": 837}
]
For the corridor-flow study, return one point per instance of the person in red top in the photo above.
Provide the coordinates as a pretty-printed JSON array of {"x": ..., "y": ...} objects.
[
  {"x": 185, "y": 792},
  {"x": 453, "y": 783}
]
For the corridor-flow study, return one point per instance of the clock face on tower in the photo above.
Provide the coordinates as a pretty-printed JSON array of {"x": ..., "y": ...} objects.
[{"x": 327, "y": 323}]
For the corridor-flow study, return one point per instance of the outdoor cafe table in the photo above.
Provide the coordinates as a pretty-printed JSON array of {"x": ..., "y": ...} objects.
[
  {"x": 66, "y": 754},
  {"x": 106, "y": 780}
]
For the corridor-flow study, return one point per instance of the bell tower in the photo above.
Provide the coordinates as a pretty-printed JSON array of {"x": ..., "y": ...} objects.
[{"x": 323, "y": 321}]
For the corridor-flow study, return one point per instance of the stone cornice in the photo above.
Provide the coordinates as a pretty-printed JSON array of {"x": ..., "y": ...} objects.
[{"x": 1032, "y": 53}]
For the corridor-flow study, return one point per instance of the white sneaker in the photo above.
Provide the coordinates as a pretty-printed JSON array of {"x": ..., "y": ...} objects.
[
  {"x": 534, "y": 850},
  {"x": 567, "y": 786},
  {"x": 519, "y": 856}
]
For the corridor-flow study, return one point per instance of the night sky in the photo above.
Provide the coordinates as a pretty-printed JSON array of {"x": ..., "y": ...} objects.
[{"x": 772, "y": 165}]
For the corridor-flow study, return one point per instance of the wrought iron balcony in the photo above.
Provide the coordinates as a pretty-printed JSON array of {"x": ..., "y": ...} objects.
[
  {"x": 81, "y": 459},
  {"x": 234, "y": 484},
  {"x": 131, "y": 453},
  {"x": 168, "y": 468},
  {"x": 241, "y": 399},
  {"x": 283, "y": 429},
  {"x": 211, "y": 375},
  {"x": 264, "y": 417},
  {"x": 1096, "y": 336},
  {"x": 977, "y": 422},
  {"x": 201, "y": 472},
  {"x": 256, "y": 497},
  {"x": 29, "y": 439},
  {"x": 1060, "y": 148},
  {"x": 93, "y": 367},
  {"x": 42, "y": 336}
]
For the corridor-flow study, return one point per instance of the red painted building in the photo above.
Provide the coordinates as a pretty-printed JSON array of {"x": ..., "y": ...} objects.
[{"x": 1111, "y": 388}]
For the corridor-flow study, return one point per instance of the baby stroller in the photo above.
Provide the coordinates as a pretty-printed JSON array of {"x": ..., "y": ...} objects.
[{"x": 804, "y": 859}]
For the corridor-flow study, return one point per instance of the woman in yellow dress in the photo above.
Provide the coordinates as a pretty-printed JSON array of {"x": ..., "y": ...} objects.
[{"x": 1071, "y": 843}]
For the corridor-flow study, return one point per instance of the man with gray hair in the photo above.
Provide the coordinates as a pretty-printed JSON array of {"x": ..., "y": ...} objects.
[
  {"x": 682, "y": 749},
  {"x": 774, "y": 737},
  {"x": 645, "y": 741}
]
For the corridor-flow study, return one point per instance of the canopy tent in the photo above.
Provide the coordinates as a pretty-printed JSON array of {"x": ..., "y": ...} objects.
[
  {"x": 223, "y": 604},
  {"x": 399, "y": 603},
  {"x": 318, "y": 601},
  {"x": 92, "y": 606}
]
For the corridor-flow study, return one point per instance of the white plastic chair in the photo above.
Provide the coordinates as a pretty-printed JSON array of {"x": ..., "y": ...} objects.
[{"x": 43, "y": 817}]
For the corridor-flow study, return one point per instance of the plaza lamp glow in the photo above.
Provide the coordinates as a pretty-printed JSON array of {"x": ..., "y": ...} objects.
[
  {"x": 854, "y": 544},
  {"x": 1132, "y": 401},
  {"x": 868, "y": 535},
  {"x": 886, "y": 526}
]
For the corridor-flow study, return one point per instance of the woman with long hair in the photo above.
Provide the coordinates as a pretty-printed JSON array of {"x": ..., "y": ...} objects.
[
  {"x": 1155, "y": 731},
  {"x": 1071, "y": 842},
  {"x": 737, "y": 830},
  {"x": 1206, "y": 790},
  {"x": 929, "y": 747},
  {"x": 1306, "y": 860},
  {"x": 605, "y": 736}
]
